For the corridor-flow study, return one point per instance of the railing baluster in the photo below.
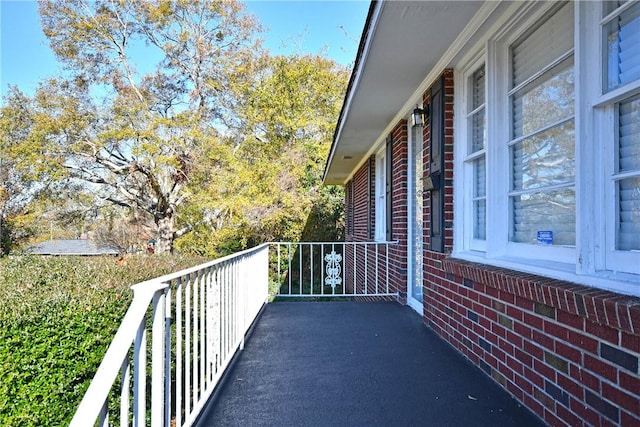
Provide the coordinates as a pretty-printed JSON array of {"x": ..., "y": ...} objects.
[
  {"x": 387, "y": 268},
  {"x": 377, "y": 269},
  {"x": 289, "y": 270},
  {"x": 203, "y": 331},
  {"x": 187, "y": 348},
  {"x": 300, "y": 249},
  {"x": 157, "y": 360},
  {"x": 322, "y": 269},
  {"x": 167, "y": 356},
  {"x": 140, "y": 375},
  {"x": 125, "y": 383},
  {"x": 311, "y": 262},
  {"x": 195, "y": 385},
  {"x": 179, "y": 370},
  {"x": 366, "y": 269},
  {"x": 103, "y": 417},
  {"x": 279, "y": 278},
  {"x": 354, "y": 279}
]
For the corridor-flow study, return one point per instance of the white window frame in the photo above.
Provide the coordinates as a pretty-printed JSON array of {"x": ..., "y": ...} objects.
[
  {"x": 463, "y": 151},
  {"x": 594, "y": 261},
  {"x": 380, "y": 233},
  {"x": 606, "y": 125}
]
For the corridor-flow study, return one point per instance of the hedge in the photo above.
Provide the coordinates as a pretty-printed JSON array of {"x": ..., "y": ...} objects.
[{"x": 57, "y": 317}]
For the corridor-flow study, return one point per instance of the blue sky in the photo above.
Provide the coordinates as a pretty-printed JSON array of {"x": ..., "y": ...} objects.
[{"x": 333, "y": 27}]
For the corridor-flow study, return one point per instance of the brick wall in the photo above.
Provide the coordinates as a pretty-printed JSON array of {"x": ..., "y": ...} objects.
[{"x": 570, "y": 353}]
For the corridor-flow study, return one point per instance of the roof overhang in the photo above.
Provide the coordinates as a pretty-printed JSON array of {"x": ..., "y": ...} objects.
[{"x": 402, "y": 47}]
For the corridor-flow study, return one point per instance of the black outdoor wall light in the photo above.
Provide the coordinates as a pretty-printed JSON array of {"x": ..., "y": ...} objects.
[{"x": 419, "y": 115}]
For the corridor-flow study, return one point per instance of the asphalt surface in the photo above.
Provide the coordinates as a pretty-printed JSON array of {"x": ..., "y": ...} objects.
[{"x": 355, "y": 364}]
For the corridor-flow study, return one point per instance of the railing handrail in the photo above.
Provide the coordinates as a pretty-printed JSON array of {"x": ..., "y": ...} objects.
[
  {"x": 109, "y": 368},
  {"x": 171, "y": 276}
]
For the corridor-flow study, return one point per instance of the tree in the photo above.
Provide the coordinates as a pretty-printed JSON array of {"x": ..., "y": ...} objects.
[
  {"x": 272, "y": 189},
  {"x": 136, "y": 137}
]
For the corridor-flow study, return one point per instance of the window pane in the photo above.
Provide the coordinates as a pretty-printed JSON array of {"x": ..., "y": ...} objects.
[
  {"x": 479, "y": 177},
  {"x": 548, "y": 42},
  {"x": 629, "y": 135},
  {"x": 542, "y": 104},
  {"x": 479, "y": 221},
  {"x": 545, "y": 159},
  {"x": 479, "y": 131},
  {"x": 628, "y": 236},
  {"x": 622, "y": 39},
  {"x": 550, "y": 211},
  {"x": 479, "y": 202},
  {"x": 478, "y": 88}
]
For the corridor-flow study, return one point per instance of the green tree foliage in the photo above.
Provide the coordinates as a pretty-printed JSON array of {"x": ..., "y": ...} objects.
[{"x": 272, "y": 190}]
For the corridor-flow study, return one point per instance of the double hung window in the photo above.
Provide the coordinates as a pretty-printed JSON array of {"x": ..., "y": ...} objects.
[
  {"x": 620, "y": 28},
  {"x": 549, "y": 167},
  {"x": 542, "y": 196},
  {"x": 475, "y": 161}
]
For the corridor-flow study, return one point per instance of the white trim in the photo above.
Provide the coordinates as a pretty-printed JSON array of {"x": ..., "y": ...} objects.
[
  {"x": 417, "y": 305},
  {"x": 356, "y": 81},
  {"x": 380, "y": 203}
]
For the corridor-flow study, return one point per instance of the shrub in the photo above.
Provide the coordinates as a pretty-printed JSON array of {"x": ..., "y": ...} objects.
[{"x": 57, "y": 318}]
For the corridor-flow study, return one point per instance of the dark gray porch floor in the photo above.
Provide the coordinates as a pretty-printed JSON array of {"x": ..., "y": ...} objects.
[{"x": 355, "y": 364}]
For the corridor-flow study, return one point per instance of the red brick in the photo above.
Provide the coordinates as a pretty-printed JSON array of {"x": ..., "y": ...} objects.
[
  {"x": 629, "y": 383},
  {"x": 568, "y": 416},
  {"x": 569, "y": 319},
  {"x": 533, "y": 350},
  {"x": 621, "y": 399},
  {"x": 555, "y": 330},
  {"x": 523, "y": 384},
  {"x": 543, "y": 340},
  {"x": 523, "y": 357},
  {"x": 534, "y": 377},
  {"x": 544, "y": 370},
  {"x": 630, "y": 342},
  {"x": 533, "y": 320},
  {"x": 522, "y": 329},
  {"x": 584, "y": 412},
  {"x": 628, "y": 420},
  {"x": 598, "y": 367},
  {"x": 570, "y": 386},
  {"x": 534, "y": 406},
  {"x": 580, "y": 340},
  {"x": 569, "y": 352},
  {"x": 603, "y": 332},
  {"x": 551, "y": 419},
  {"x": 515, "y": 365}
]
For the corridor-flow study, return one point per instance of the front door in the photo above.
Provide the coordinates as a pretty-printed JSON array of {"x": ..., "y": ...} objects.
[{"x": 416, "y": 173}]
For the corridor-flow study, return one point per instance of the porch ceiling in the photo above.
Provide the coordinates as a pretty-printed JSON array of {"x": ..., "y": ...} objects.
[{"x": 401, "y": 43}]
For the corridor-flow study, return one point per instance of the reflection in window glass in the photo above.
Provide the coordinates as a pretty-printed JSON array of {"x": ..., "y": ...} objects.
[
  {"x": 545, "y": 159},
  {"x": 628, "y": 233},
  {"x": 545, "y": 211},
  {"x": 622, "y": 47}
]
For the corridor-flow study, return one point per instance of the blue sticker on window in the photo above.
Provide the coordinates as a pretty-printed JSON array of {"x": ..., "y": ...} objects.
[{"x": 545, "y": 237}]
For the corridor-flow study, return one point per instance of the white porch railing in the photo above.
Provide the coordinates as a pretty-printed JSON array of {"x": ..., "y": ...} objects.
[
  {"x": 193, "y": 338},
  {"x": 332, "y": 269},
  {"x": 198, "y": 318}
]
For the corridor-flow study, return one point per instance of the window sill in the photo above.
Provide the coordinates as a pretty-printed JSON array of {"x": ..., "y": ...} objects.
[{"x": 615, "y": 303}]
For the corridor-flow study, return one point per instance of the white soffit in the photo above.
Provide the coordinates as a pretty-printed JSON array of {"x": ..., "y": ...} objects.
[{"x": 406, "y": 41}]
